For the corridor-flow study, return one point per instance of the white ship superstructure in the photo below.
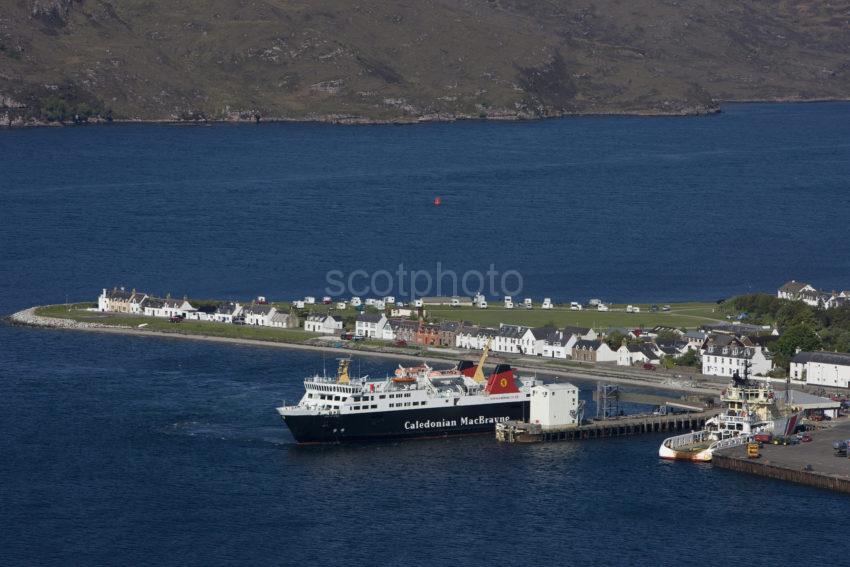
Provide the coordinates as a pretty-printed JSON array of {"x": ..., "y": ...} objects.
[{"x": 748, "y": 408}]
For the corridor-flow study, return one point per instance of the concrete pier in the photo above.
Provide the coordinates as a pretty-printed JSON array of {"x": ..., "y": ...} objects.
[
  {"x": 524, "y": 432},
  {"x": 813, "y": 464}
]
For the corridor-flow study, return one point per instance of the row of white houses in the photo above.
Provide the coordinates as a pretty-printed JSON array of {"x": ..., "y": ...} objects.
[
  {"x": 118, "y": 300},
  {"x": 808, "y": 294}
]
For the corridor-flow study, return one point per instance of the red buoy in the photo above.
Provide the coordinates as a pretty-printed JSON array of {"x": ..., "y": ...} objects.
[{"x": 437, "y": 202}]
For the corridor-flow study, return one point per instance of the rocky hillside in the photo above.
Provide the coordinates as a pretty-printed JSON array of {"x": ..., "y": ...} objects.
[{"x": 407, "y": 60}]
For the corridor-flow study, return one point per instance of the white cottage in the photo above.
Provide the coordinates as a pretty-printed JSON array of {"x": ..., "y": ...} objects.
[
  {"x": 370, "y": 325},
  {"x": 822, "y": 368},
  {"x": 258, "y": 314},
  {"x": 324, "y": 324}
]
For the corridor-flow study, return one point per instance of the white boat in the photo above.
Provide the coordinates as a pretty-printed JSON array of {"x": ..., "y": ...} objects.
[{"x": 748, "y": 408}]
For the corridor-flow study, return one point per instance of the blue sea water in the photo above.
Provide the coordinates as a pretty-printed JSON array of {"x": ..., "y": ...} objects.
[{"x": 156, "y": 451}]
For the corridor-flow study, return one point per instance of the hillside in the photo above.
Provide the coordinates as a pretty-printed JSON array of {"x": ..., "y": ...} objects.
[{"x": 409, "y": 60}]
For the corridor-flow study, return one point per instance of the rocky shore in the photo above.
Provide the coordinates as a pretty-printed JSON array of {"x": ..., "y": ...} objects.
[{"x": 29, "y": 318}]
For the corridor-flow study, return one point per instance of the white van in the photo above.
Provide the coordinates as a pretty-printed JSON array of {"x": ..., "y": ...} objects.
[
  {"x": 601, "y": 307},
  {"x": 575, "y": 306},
  {"x": 547, "y": 303},
  {"x": 482, "y": 304},
  {"x": 356, "y": 301},
  {"x": 309, "y": 300},
  {"x": 509, "y": 302}
]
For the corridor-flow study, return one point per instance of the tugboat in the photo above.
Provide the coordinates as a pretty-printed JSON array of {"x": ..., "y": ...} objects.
[
  {"x": 417, "y": 401},
  {"x": 748, "y": 408}
]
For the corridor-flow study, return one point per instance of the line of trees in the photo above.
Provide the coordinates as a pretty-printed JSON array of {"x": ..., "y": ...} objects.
[{"x": 802, "y": 326}]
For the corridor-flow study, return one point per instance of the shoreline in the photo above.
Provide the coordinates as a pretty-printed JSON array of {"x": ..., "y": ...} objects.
[
  {"x": 351, "y": 120},
  {"x": 437, "y": 118},
  {"x": 28, "y": 318}
]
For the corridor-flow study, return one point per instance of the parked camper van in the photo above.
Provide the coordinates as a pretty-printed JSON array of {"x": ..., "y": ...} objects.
[
  {"x": 575, "y": 306},
  {"x": 509, "y": 302},
  {"x": 547, "y": 303},
  {"x": 602, "y": 307},
  {"x": 356, "y": 301}
]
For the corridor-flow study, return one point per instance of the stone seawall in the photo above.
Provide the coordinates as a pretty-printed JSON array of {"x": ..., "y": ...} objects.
[
  {"x": 29, "y": 318},
  {"x": 810, "y": 478}
]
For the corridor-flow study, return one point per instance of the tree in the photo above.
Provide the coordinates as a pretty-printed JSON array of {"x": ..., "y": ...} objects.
[
  {"x": 615, "y": 340},
  {"x": 666, "y": 337},
  {"x": 690, "y": 358},
  {"x": 800, "y": 336}
]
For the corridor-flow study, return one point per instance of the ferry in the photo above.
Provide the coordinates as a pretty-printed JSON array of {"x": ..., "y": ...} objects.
[
  {"x": 748, "y": 408},
  {"x": 417, "y": 401}
]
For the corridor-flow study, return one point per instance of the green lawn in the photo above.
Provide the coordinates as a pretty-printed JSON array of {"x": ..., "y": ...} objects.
[
  {"x": 681, "y": 315},
  {"x": 186, "y": 327}
]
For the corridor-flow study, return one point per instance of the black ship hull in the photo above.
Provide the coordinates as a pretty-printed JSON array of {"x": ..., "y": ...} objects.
[{"x": 404, "y": 424}]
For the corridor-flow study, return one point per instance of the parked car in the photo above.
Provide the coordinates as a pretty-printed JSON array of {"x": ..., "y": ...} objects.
[
  {"x": 805, "y": 438},
  {"x": 648, "y": 366},
  {"x": 401, "y": 343},
  {"x": 347, "y": 336},
  {"x": 763, "y": 437},
  {"x": 666, "y": 308},
  {"x": 176, "y": 318},
  {"x": 358, "y": 338}
]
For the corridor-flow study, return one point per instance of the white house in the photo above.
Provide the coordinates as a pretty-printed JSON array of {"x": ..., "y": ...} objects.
[
  {"x": 822, "y": 368},
  {"x": 324, "y": 324},
  {"x": 370, "y": 325},
  {"x": 260, "y": 315},
  {"x": 225, "y": 312},
  {"x": 593, "y": 351},
  {"x": 724, "y": 355},
  {"x": 641, "y": 353},
  {"x": 509, "y": 339},
  {"x": 388, "y": 332},
  {"x": 799, "y": 291},
  {"x": 475, "y": 338},
  {"x": 155, "y": 307},
  {"x": 534, "y": 340},
  {"x": 118, "y": 300},
  {"x": 283, "y": 320},
  {"x": 556, "y": 346}
]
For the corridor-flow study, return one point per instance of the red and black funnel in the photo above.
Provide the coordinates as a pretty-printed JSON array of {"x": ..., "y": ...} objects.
[
  {"x": 502, "y": 381},
  {"x": 466, "y": 367}
]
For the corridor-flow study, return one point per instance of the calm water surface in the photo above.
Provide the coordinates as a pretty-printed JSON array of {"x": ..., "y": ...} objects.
[{"x": 123, "y": 450}]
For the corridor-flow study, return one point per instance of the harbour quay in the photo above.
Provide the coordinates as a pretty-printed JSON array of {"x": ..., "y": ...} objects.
[
  {"x": 556, "y": 414},
  {"x": 525, "y": 432},
  {"x": 815, "y": 463}
]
